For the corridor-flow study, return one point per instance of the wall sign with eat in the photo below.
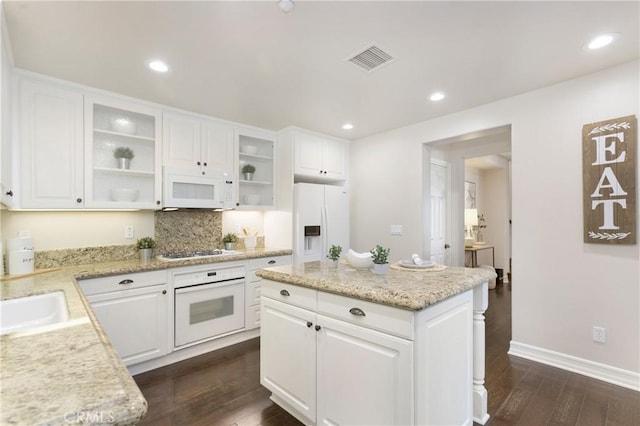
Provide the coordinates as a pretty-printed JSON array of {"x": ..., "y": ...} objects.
[{"x": 609, "y": 181}]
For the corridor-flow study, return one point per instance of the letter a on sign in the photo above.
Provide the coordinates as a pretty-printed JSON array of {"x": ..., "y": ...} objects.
[{"x": 609, "y": 181}]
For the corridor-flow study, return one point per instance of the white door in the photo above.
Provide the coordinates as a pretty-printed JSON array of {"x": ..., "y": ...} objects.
[
  {"x": 348, "y": 392},
  {"x": 288, "y": 355},
  {"x": 440, "y": 212},
  {"x": 182, "y": 140},
  {"x": 217, "y": 147},
  {"x": 308, "y": 206},
  {"x": 334, "y": 158},
  {"x": 336, "y": 215},
  {"x": 135, "y": 321},
  {"x": 51, "y": 123}
]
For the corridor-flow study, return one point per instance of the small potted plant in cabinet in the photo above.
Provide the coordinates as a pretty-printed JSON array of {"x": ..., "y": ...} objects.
[
  {"x": 247, "y": 171},
  {"x": 380, "y": 259},
  {"x": 229, "y": 241},
  {"x": 145, "y": 246},
  {"x": 123, "y": 155}
]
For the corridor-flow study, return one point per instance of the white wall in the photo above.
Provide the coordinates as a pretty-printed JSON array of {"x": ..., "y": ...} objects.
[
  {"x": 562, "y": 287},
  {"x": 493, "y": 203},
  {"x": 61, "y": 230}
]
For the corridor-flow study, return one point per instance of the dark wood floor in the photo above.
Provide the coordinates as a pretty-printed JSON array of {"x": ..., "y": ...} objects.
[{"x": 222, "y": 387}]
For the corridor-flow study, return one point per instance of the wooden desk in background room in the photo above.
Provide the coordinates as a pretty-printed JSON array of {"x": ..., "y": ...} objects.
[{"x": 474, "y": 254}]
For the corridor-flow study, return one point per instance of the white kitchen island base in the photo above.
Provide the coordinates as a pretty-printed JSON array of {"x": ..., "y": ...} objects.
[{"x": 330, "y": 359}]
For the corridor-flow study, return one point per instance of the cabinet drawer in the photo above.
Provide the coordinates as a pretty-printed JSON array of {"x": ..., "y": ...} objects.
[
  {"x": 253, "y": 293},
  {"x": 291, "y": 294},
  {"x": 398, "y": 322},
  {"x": 265, "y": 262},
  {"x": 122, "y": 282},
  {"x": 252, "y": 317}
]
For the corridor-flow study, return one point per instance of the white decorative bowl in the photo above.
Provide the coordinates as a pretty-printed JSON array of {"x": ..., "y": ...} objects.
[
  {"x": 249, "y": 149},
  {"x": 123, "y": 194},
  {"x": 360, "y": 260},
  {"x": 123, "y": 125}
]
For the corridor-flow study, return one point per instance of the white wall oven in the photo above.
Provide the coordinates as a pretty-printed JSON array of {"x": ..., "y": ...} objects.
[{"x": 209, "y": 303}]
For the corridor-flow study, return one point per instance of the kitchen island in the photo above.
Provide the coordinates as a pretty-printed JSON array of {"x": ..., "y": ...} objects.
[
  {"x": 69, "y": 372},
  {"x": 343, "y": 346}
]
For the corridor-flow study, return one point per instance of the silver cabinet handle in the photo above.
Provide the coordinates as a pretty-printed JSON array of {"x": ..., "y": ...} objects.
[
  {"x": 123, "y": 282},
  {"x": 357, "y": 311},
  {"x": 284, "y": 293}
]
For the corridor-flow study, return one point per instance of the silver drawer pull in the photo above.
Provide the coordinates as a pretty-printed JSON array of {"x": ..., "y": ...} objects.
[
  {"x": 284, "y": 293},
  {"x": 123, "y": 282},
  {"x": 357, "y": 311}
]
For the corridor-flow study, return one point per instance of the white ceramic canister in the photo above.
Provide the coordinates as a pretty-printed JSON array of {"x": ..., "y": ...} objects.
[
  {"x": 19, "y": 243},
  {"x": 20, "y": 262}
]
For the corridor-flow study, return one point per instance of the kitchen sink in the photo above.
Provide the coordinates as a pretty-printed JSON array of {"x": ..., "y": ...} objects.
[{"x": 29, "y": 312}]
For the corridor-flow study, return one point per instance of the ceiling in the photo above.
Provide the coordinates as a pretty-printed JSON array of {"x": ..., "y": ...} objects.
[{"x": 251, "y": 63}]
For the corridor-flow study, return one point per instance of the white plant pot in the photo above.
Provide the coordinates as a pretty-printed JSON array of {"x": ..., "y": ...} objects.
[{"x": 380, "y": 268}]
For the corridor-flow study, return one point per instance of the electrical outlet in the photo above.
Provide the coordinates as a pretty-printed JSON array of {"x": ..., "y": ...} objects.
[
  {"x": 599, "y": 334},
  {"x": 396, "y": 229},
  {"x": 128, "y": 232}
]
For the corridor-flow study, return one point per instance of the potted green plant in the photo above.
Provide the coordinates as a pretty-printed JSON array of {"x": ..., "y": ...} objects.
[
  {"x": 247, "y": 171},
  {"x": 145, "y": 246},
  {"x": 380, "y": 257},
  {"x": 123, "y": 155},
  {"x": 229, "y": 241},
  {"x": 334, "y": 254}
]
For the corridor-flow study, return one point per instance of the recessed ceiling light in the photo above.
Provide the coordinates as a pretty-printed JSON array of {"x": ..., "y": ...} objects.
[
  {"x": 286, "y": 5},
  {"x": 347, "y": 126},
  {"x": 438, "y": 96},
  {"x": 158, "y": 66},
  {"x": 601, "y": 41}
]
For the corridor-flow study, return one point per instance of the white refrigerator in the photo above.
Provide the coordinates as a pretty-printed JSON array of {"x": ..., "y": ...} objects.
[{"x": 320, "y": 220}]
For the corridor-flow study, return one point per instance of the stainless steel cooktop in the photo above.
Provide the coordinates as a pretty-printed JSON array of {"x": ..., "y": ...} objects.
[{"x": 200, "y": 254}]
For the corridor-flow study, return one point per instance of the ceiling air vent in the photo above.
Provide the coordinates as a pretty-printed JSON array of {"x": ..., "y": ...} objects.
[{"x": 371, "y": 58}]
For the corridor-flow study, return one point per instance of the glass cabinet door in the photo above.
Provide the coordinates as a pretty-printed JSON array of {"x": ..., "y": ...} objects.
[
  {"x": 122, "y": 155},
  {"x": 256, "y": 169}
]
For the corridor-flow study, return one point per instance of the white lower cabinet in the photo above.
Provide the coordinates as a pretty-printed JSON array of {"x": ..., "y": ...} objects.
[
  {"x": 254, "y": 287},
  {"x": 331, "y": 372},
  {"x": 133, "y": 310},
  {"x": 334, "y": 360}
]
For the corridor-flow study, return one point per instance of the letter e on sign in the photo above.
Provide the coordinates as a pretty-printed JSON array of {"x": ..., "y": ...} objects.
[{"x": 609, "y": 181}]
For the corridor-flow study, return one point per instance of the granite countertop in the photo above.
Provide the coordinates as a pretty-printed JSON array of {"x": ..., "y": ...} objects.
[
  {"x": 69, "y": 372},
  {"x": 406, "y": 289}
]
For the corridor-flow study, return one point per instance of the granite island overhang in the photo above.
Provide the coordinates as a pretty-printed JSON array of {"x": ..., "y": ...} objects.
[
  {"x": 416, "y": 338},
  {"x": 410, "y": 289}
]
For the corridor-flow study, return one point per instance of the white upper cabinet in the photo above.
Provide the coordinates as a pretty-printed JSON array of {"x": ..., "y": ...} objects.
[
  {"x": 113, "y": 128},
  {"x": 319, "y": 158},
  {"x": 6, "y": 148},
  {"x": 190, "y": 141},
  {"x": 50, "y": 146},
  {"x": 256, "y": 167}
]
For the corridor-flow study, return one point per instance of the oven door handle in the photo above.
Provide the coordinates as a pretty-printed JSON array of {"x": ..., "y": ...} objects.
[{"x": 208, "y": 286}]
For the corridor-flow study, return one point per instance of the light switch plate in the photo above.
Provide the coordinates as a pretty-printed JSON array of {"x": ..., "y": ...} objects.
[{"x": 396, "y": 229}]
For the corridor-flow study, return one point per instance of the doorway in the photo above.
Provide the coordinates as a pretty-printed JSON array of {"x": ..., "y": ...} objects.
[{"x": 494, "y": 147}]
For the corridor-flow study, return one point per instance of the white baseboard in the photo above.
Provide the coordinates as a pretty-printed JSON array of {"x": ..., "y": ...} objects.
[{"x": 606, "y": 373}]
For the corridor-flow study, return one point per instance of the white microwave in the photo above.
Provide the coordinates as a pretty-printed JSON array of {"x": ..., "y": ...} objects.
[{"x": 192, "y": 188}]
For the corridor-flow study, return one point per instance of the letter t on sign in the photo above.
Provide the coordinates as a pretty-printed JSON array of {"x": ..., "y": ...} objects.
[{"x": 609, "y": 181}]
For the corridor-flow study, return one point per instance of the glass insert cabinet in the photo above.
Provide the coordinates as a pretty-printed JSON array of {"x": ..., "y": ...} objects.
[{"x": 122, "y": 155}]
